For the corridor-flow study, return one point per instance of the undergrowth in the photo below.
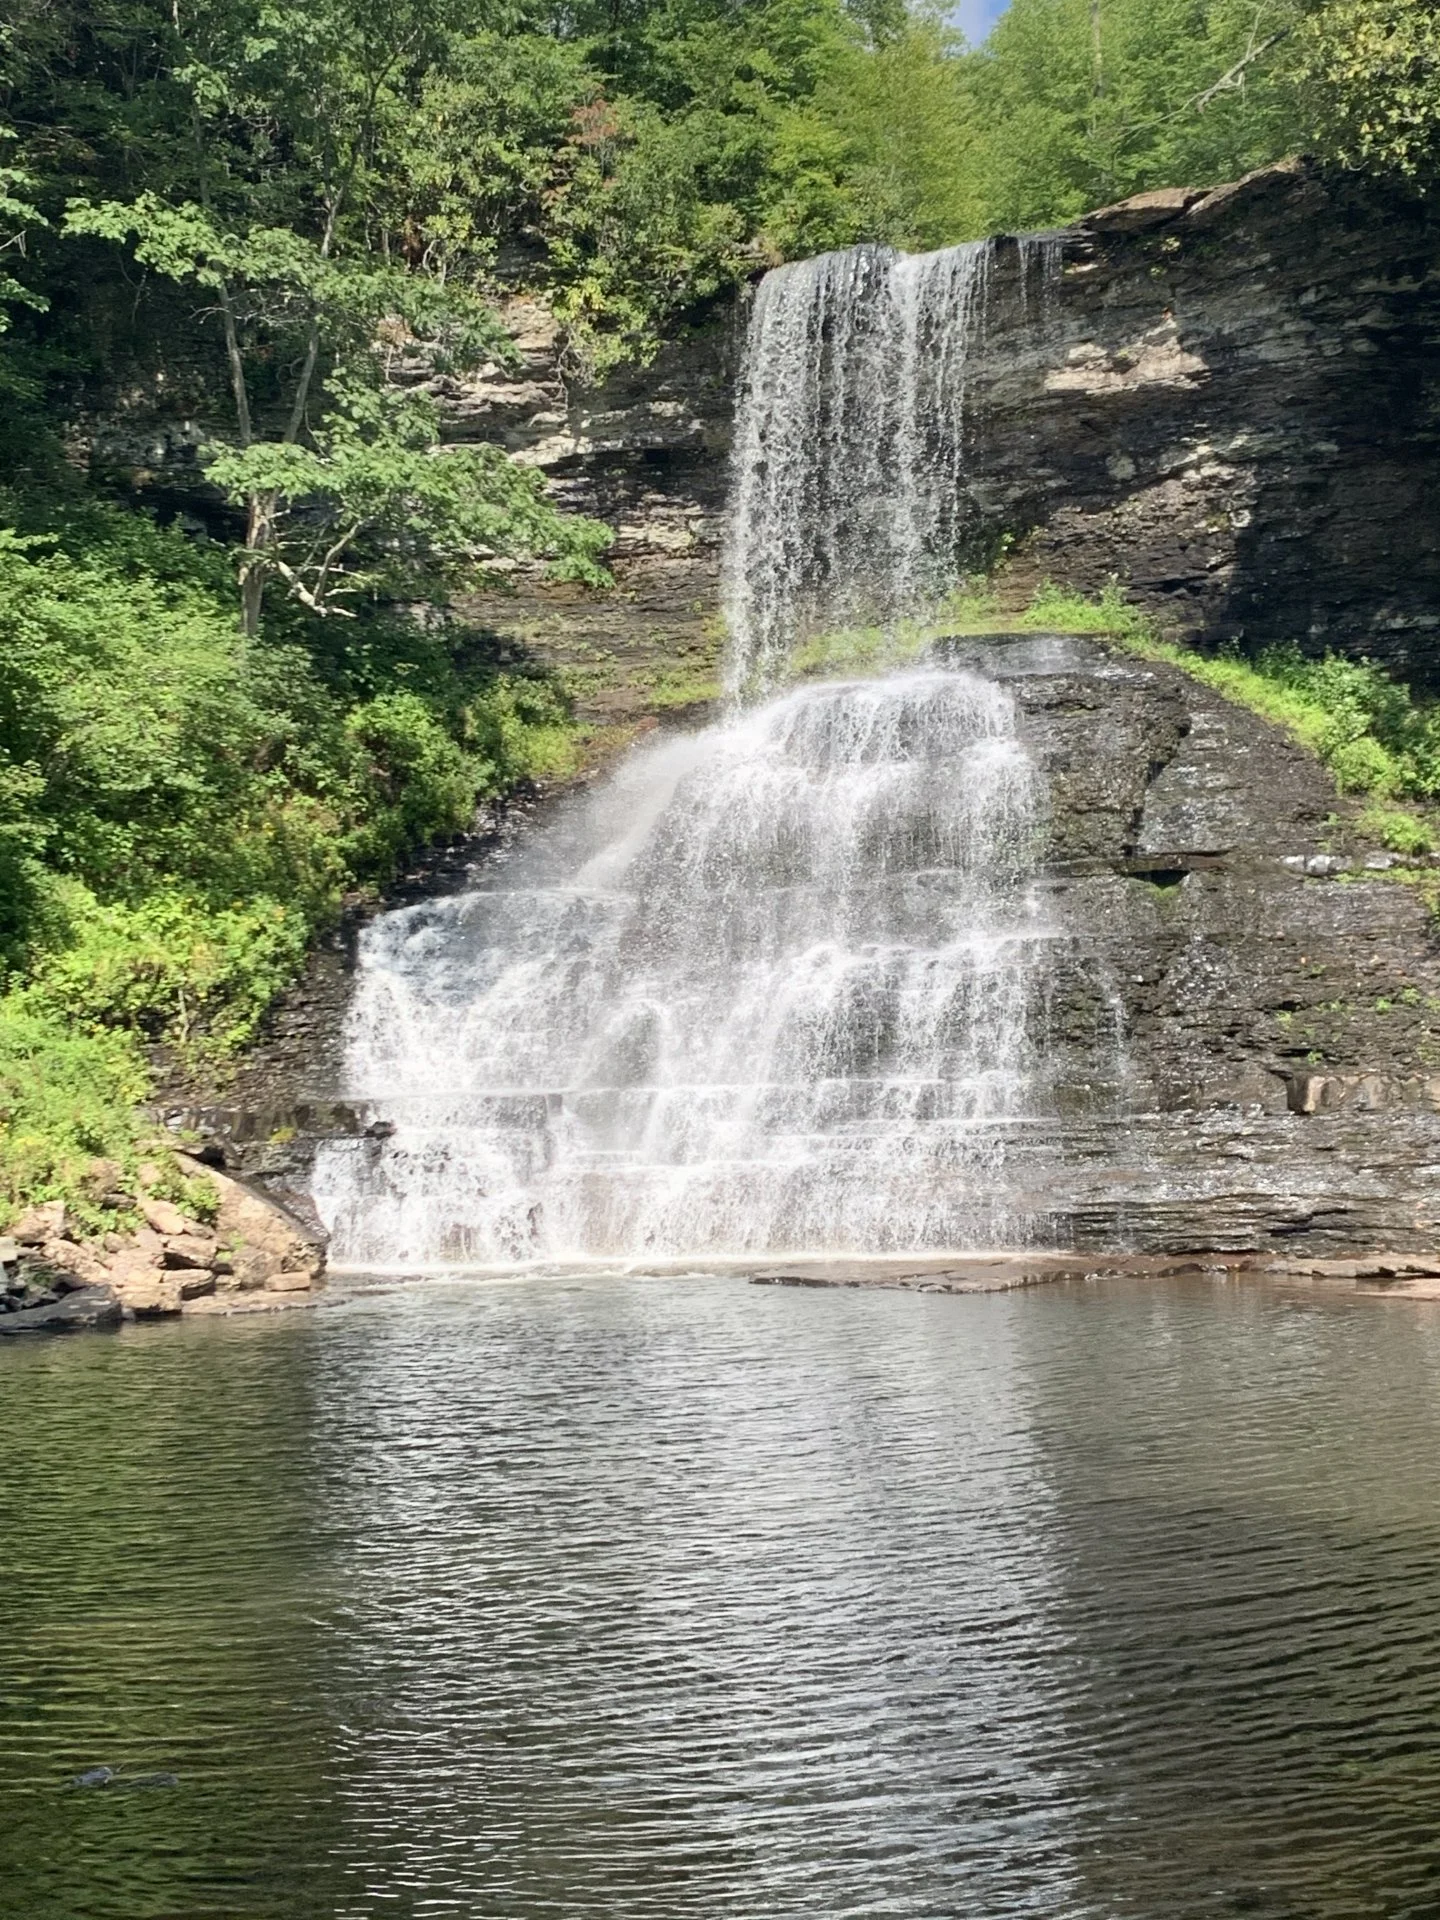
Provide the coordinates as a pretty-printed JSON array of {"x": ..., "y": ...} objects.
[{"x": 181, "y": 809}]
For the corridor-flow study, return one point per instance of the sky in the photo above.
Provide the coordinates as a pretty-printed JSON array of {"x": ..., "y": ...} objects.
[{"x": 976, "y": 17}]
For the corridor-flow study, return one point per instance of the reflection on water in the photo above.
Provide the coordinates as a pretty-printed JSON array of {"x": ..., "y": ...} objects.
[{"x": 625, "y": 1598}]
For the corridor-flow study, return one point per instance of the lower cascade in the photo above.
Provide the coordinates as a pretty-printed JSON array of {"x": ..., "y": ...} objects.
[{"x": 771, "y": 988}]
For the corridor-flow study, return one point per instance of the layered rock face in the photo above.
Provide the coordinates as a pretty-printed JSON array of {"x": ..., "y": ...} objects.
[
  {"x": 1228, "y": 401},
  {"x": 1244, "y": 1042},
  {"x": 647, "y": 452},
  {"x": 1231, "y": 403}
]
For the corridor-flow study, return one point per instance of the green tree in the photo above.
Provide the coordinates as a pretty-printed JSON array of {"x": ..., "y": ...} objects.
[
  {"x": 1370, "y": 71},
  {"x": 1084, "y": 101},
  {"x": 264, "y": 212},
  {"x": 18, "y": 218}
]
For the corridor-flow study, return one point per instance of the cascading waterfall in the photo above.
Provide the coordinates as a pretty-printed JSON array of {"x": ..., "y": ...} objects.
[{"x": 772, "y": 987}]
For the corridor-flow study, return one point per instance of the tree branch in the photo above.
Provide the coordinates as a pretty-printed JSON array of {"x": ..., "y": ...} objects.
[{"x": 1235, "y": 76}]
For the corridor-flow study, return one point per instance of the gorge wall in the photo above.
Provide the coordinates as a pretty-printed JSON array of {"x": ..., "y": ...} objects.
[{"x": 1228, "y": 400}]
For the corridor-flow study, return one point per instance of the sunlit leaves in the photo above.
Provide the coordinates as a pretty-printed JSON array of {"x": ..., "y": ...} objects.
[
  {"x": 1372, "y": 70},
  {"x": 372, "y": 503}
]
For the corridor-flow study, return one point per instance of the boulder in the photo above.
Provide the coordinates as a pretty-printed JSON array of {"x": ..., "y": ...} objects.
[
  {"x": 266, "y": 1247},
  {"x": 189, "y": 1250},
  {"x": 103, "y": 1177},
  {"x": 148, "y": 1293},
  {"x": 142, "y": 1285},
  {"x": 195, "y": 1282},
  {"x": 165, "y": 1217},
  {"x": 1142, "y": 210},
  {"x": 71, "y": 1262},
  {"x": 39, "y": 1224}
]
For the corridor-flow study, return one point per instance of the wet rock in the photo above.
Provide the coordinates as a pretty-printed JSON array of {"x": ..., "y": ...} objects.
[
  {"x": 107, "y": 1777},
  {"x": 64, "y": 1283},
  {"x": 35, "y": 1293},
  {"x": 89, "y": 1310},
  {"x": 1279, "y": 1087}
]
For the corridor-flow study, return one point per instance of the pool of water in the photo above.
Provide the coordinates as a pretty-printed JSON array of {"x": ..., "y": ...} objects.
[{"x": 620, "y": 1598}]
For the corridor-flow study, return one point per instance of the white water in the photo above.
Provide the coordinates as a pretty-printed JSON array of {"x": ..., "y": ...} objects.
[
  {"x": 773, "y": 987},
  {"x": 847, "y": 503}
]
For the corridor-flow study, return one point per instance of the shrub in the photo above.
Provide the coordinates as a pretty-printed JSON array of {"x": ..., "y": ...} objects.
[
  {"x": 66, "y": 1098},
  {"x": 181, "y": 808}
]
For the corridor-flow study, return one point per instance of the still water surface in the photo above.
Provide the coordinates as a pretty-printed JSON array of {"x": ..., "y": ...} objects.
[{"x": 616, "y": 1598}]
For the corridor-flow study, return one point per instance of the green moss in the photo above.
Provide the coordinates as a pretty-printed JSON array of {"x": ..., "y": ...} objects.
[{"x": 1398, "y": 829}]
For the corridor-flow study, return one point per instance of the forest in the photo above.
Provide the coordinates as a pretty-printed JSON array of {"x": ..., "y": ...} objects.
[{"x": 215, "y": 728}]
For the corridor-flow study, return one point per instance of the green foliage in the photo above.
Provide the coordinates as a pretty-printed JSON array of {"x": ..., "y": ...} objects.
[
  {"x": 373, "y": 506},
  {"x": 180, "y": 807},
  {"x": 1371, "y": 70},
  {"x": 174, "y": 968},
  {"x": 17, "y": 218},
  {"x": 66, "y": 1098},
  {"x": 1083, "y": 104},
  {"x": 1398, "y": 829},
  {"x": 263, "y": 210}
]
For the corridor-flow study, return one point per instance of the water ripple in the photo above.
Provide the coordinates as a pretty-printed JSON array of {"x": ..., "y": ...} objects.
[{"x": 621, "y": 1598}]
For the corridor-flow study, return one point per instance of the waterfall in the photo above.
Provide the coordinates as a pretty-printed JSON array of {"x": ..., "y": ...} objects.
[
  {"x": 847, "y": 503},
  {"x": 772, "y": 986}
]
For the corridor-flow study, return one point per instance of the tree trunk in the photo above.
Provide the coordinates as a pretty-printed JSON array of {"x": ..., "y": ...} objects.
[{"x": 259, "y": 520}]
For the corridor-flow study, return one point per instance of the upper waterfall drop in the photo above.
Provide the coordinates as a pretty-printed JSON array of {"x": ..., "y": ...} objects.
[{"x": 847, "y": 498}]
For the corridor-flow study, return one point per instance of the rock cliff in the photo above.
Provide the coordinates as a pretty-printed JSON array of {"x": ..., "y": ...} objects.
[
  {"x": 1227, "y": 400},
  {"x": 1244, "y": 1044}
]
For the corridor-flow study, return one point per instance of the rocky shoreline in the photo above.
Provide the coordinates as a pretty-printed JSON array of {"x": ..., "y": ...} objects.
[{"x": 234, "y": 1250}]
